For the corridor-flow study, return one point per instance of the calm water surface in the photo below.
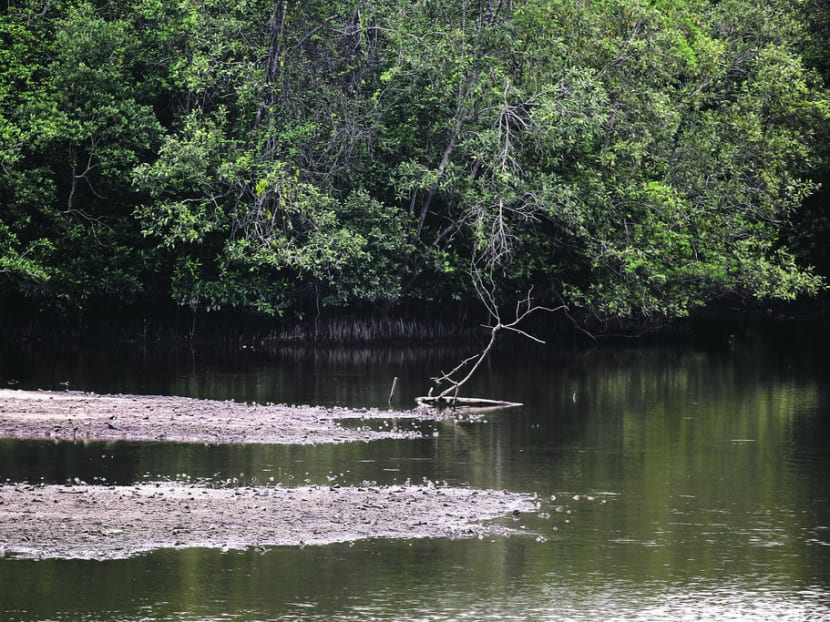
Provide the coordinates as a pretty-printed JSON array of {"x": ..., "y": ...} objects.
[{"x": 675, "y": 483}]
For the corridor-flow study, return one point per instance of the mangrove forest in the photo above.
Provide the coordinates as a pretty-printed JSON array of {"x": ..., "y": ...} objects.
[{"x": 619, "y": 161}]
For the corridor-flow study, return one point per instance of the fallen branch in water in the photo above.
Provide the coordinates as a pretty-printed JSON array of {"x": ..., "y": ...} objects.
[
  {"x": 469, "y": 404},
  {"x": 524, "y": 308}
]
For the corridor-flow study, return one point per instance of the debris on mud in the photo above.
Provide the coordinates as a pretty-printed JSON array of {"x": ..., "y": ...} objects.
[
  {"x": 89, "y": 416},
  {"x": 113, "y": 522}
]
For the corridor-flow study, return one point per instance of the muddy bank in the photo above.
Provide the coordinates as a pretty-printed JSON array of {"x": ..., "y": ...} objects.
[
  {"x": 98, "y": 522},
  {"x": 89, "y": 416},
  {"x": 110, "y": 522}
]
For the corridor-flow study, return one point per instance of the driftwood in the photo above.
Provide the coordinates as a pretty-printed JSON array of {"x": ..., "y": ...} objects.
[
  {"x": 454, "y": 378},
  {"x": 466, "y": 403}
]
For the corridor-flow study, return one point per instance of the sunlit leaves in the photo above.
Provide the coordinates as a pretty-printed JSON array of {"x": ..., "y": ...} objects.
[
  {"x": 637, "y": 159},
  {"x": 72, "y": 130}
]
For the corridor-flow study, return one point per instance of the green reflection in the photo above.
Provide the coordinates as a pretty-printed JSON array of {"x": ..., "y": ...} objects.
[
  {"x": 685, "y": 476},
  {"x": 499, "y": 579}
]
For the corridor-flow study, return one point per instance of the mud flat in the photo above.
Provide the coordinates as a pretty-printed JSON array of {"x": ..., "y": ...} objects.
[
  {"x": 90, "y": 416},
  {"x": 100, "y": 522},
  {"x": 112, "y": 522}
]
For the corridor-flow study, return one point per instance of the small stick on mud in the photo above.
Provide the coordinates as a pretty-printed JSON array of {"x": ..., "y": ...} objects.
[{"x": 392, "y": 392}]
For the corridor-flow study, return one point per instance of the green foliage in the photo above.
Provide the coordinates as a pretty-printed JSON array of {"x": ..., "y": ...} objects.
[
  {"x": 636, "y": 159},
  {"x": 73, "y": 130}
]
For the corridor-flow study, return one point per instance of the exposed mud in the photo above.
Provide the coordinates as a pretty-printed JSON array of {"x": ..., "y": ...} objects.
[
  {"x": 98, "y": 522},
  {"x": 89, "y": 416},
  {"x": 110, "y": 522}
]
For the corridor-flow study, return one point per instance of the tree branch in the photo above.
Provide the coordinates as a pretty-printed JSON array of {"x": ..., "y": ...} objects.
[{"x": 524, "y": 308}]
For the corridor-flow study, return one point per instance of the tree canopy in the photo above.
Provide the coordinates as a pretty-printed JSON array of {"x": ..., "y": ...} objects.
[{"x": 630, "y": 159}]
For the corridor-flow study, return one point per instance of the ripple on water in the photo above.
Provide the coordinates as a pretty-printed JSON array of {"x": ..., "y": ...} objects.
[{"x": 561, "y": 603}]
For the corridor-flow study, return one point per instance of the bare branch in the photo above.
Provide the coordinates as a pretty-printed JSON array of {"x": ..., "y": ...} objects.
[
  {"x": 455, "y": 385},
  {"x": 447, "y": 376},
  {"x": 525, "y": 334},
  {"x": 485, "y": 288},
  {"x": 576, "y": 324}
]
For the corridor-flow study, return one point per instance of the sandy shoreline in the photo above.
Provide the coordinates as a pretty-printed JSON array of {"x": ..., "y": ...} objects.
[
  {"x": 90, "y": 416},
  {"x": 115, "y": 522}
]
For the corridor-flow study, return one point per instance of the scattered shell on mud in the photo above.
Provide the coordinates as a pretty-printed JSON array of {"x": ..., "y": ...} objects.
[
  {"x": 89, "y": 416},
  {"x": 111, "y": 522}
]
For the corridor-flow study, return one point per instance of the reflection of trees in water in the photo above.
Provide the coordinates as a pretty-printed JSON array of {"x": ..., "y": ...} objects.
[
  {"x": 353, "y": 330},
  {"x": 345, "y": 357},
  {"x": 717, "y": 457}
]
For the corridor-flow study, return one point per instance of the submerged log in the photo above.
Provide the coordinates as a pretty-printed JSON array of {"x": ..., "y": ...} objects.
[{"x": 441, "y": 402}]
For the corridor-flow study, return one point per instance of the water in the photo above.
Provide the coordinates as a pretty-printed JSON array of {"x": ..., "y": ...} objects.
[{"x": 676, "y": 484}]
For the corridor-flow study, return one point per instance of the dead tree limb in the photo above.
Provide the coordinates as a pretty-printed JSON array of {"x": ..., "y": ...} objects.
[{"x": 464, "y": 371}]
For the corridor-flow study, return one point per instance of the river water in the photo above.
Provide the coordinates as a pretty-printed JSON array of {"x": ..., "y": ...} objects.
[{"x": 676, "y": 483}]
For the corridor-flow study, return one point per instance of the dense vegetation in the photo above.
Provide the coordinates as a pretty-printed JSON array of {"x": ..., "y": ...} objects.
[{"x": 630, "y": 158}]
